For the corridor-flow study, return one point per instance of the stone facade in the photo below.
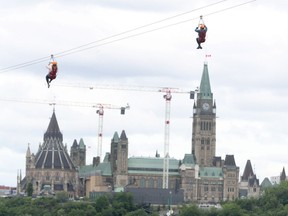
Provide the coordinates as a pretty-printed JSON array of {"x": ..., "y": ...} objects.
[
  {"x": 51, "y": 167},
  {"x": 203, "y": 177},
  {"x": 249, "y": 184},
  {"x": 78, "y": 153}
]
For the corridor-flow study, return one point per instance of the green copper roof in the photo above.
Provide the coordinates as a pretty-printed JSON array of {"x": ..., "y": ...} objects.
[
  {"x": 151, "y": 165},
  {"x": 81, "y": 144},
  {"x": 106, "y": 158},
  {"x": 188, "y": 160},
  {"x": 103, "y": 169},
  {"x": 266, "y": 184},
  {"x": 115, "y": 138},
  {"x": 211, "y": 172},
  {"x": 205, "y": 88}
]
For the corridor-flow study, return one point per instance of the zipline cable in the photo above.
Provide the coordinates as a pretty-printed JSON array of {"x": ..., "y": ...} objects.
[
  {"x": 143, "y": 26},
  {"x": 109, "y": 37},
  {"x": 152, "y": 30},
  {"x": 78, "y": 49}
]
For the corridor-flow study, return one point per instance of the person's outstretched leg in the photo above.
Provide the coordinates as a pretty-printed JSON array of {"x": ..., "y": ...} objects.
[
  {"x": 199, "y": 44},
  {"x": 48, "y": 80}
]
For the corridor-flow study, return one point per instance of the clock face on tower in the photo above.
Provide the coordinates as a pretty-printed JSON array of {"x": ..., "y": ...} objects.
[{"x": 205, "y": 106}]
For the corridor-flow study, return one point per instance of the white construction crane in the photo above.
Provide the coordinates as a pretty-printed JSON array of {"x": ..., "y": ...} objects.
[
  {"x": 168, "y": 96},
  {"x": 99, "y": 106},
  {"x": 100, "y": 113}
]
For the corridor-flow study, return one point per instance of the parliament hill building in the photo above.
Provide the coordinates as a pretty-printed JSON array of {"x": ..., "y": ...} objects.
[{"x": 199, "y": 177}]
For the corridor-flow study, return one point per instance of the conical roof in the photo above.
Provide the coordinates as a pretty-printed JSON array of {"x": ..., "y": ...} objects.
[
  {"x": 229, "y": 161},
  {"x": 81, "y": 144},
  {"x": 53, "y": 154},
  {"x": 266, "y": 183},
  {"x": 115, "y": 138},
  {"x": 283, "y": 175},
  {"x": 123, "y": 135},
  {"x": 53, "y": 129},
  {"x": 248, "y": 171},
  {"x": 205, "y": 87}
]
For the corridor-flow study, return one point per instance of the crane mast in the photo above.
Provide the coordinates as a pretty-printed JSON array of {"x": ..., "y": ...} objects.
[
  {"x": 100, "y": 111},
  {"x": 167, "y": 98}
]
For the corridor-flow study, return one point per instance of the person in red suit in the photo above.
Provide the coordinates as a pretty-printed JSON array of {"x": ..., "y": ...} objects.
[
  {"x": 201, "y": 30},
  {"x": 53, "y": 69}
]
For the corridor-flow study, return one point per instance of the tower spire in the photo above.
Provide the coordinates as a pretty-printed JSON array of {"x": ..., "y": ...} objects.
[
  {"x": 205, "y": 87},
  {"x": 53, "y": 129}
]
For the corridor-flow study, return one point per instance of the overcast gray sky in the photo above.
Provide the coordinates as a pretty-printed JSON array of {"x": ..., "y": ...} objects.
[{"x": 248, "y": 75}]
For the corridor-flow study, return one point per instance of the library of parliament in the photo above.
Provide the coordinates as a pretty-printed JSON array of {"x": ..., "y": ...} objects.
[{"x": 199, "y": 177}]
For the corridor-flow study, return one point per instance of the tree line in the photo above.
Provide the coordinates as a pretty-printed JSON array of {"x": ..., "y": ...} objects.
[{"x": 273, "y": 202}]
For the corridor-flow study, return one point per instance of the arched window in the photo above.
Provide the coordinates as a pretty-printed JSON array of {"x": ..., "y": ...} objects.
[
  {"x": 151, "y": 183},
  {"x": 142, "y": 182},
  {"x": 159, "y": 183}
]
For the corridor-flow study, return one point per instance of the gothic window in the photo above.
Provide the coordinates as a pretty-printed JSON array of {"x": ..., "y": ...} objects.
[
  {"x": 202, "y": 141},
  {"x": 206, "y": 188},
  {"x": 151, "y": 183},
  {"x": 208, "y": 141},
  {"x": 210, "y": 125},
  {"x": 159, "y": 183},
  {"x": 206, "y": 126},
  {"x": 230, "y": 189},
  {"x": 213, "y": 189},
  {"x": 131, "y": 180},
  {"x": 142, "y": 182},
  {"x": 177, "y": 184}
]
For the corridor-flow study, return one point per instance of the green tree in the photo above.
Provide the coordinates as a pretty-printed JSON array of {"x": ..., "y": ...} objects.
[
  {"x": 61, "y": 212},
  {"x": 29, "y": 189},
  {"x": 139, "y": 212},
  {"x": 231, "y": 209},
  {"x": 107, "y": 212},
  {"x": 123, "y": 200},
  {"x": 3, "y": 208},
  {"x": 102, "y": 203},
  {"x": 62, "y": 196},
  {"x": 191, "y": 210},
  {"x": 45, "y": 203}
]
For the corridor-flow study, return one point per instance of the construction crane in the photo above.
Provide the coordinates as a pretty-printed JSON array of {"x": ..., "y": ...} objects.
[
  {"x": 100, "y": 113},
  {"x": 99, "y": 106},
  {"x": 167, "y": 96}
]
